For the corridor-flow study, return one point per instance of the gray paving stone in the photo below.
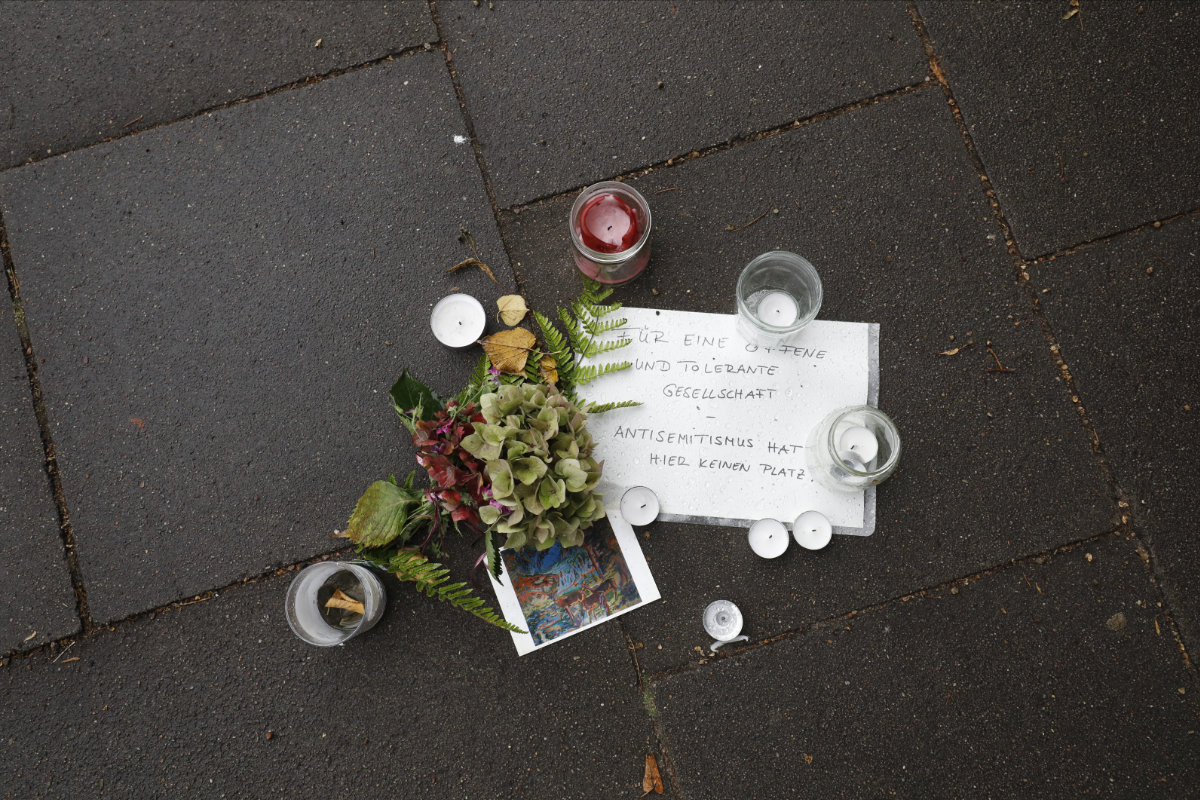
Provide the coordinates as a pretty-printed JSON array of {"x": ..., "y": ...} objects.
[
  {"x": 222, "y": 305},
  {"x": 1085, "y": 126},
  {"x": 1019, "y": 686},
  {"x": 75, "y": 73},
  {"x": 430, "y": 703},
  {"x": 1125, "y": 313},
  {"x": 37, "y": 604},
  {"x": 563, "y": 94},
  {"x": 885, "y": 203}
]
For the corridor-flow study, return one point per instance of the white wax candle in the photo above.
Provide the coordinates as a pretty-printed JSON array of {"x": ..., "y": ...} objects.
[
  {"x": 778, "y": 309},
  {"x": 639, "y": 506},
  {"x": 458, "y": 320},
  {"x": 768, "y": 538},
  {"x": 861, "y": 442},
  {"x": 812, "y": 530}
]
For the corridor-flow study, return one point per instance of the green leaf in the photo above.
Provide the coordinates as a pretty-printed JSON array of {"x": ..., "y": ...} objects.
[
  {"x": 476, "y": 385},
  {"x": 528, "y": 470},
  {"x": 411, "y": 398},
  {"x": 589, "y": 372},
  {"x": 381, "y": 514},
  {"x": 600, "y": 408},
  {"x": 493, "y": 554}
]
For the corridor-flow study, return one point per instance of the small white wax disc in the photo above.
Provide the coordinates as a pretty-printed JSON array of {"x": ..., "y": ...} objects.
[
  {"x": 812, "y": 530},
  {"x": 768, "y": 538},
  {"x": 639, "y": 506},
  {"x": 861, "y": 442},
  {"x": 722, "y": 620},
  {"x": 458, "y": 320},
  {"x": 778, "y": 309}
]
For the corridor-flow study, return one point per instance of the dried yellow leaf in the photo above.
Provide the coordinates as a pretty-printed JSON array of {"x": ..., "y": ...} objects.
[
  {"x": 548, "y": 370},
  {"x": 342, "y": 600},
  {"x": 509, "y": 350},
  {"x": 953, "y": 352},
  {"x": 512, "y": 309}
]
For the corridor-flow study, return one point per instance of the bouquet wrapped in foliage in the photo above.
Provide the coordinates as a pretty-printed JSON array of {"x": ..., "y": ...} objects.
[{"x": 509, "y": 456}]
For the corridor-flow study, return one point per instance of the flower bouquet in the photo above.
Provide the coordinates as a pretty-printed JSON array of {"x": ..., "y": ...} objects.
[{"x": 509, "y": 457}]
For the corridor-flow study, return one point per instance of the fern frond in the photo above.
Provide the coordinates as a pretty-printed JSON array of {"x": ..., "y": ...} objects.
[
  {"x": 475, "y": 385},
  {"x": 595, "y": 291},
  {"x": 554, "y": 339},
  {"x": 575, "y": 330},
  {"x": 492, "y": 549},
  {"x": 600, "y": 408},
  {"x": 601, "y": 348},
  {"x": 532, "y": 365},
  {"x": 597, "y": 328},
  {"x": 586, "y": 373},
  {"x": 430, "y": 578}
]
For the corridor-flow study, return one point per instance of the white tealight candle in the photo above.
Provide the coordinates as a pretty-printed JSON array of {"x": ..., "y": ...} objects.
[
  {"x": 778, "y": 309},
  {"x": 812, "y": 530},
  {"x": 861, "y": 442},
  {"x": 639, "y": 506},
  {"x": 768, "y": 538},
  {"x": 458, "y": 320}
]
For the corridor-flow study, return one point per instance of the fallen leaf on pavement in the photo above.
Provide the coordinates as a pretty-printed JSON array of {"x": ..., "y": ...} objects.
[
  {"x": 953, "y": 352},
  {"x": 512, "y": 309},
  {"x": 509, "y": 350},
  {"x": 651, "y": 779}
]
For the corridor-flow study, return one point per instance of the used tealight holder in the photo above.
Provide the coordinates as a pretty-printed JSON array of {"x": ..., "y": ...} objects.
[
  {"x": 723, "y": 622},
  {"x": 315, "y": 619},
  {"x": 778, "y": 293},
  {"x": 854, "y": 448},
  {"x": 610, "y": 230},
  {"x": 458, "y": 320}
]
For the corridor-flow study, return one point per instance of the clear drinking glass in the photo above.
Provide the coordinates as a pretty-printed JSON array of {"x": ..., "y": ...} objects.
[
  {"x": 778, "y": 293},
  {"x": 314, "y": 622},
  {"x": 854, "y": 448},
  {"x": 632, "y": 213}
]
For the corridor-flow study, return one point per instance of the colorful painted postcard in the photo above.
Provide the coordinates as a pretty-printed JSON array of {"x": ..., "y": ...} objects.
[{"x": 559, "y": 592}]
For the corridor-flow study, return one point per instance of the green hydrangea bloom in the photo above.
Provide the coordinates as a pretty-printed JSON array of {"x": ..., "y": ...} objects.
[{"x": 538, "y": 456}]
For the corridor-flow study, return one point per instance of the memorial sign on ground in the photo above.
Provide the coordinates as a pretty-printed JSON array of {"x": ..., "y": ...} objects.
[{"x": 722, "y": 430}]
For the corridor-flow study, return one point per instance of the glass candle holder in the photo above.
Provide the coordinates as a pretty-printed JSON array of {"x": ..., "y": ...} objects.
[
  {"x": 854, "y": 448},
  {"x": 610, "y": 231},
  {"x": 324, "y": 625},
  {"x": 778, "y": 293}
]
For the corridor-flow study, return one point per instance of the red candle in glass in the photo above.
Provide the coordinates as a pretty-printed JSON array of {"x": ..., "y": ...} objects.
[
  {"x": 610, "y": 228},
  {"x": 608, "y": 224}
]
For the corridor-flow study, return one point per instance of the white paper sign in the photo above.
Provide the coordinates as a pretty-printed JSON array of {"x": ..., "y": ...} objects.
[{"x": 721, "y": 434}]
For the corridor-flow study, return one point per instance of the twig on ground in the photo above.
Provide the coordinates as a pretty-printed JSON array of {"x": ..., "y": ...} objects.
[
  {"x": 736, "y": 228},
  {"x": 999, "y": 367}
]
